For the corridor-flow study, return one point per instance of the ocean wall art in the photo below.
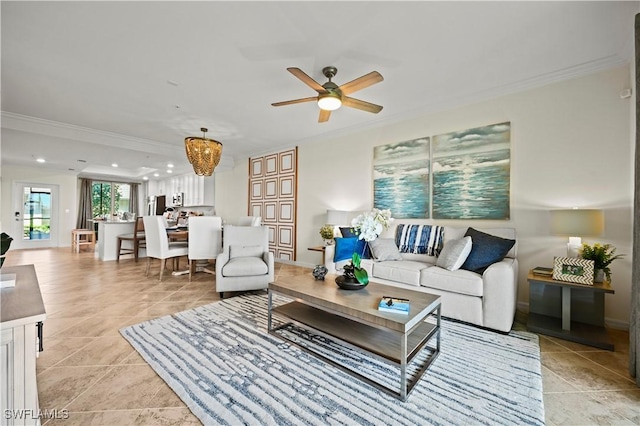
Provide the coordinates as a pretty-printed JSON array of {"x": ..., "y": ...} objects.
[
  {"x": 401, "y": 178},
  {"x": 471, "y": 173}
]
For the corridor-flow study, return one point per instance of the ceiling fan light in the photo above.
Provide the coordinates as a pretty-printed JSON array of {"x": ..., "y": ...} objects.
[
  {"x": 203, "y": 153},
  {"x": 329, "y": 101}
]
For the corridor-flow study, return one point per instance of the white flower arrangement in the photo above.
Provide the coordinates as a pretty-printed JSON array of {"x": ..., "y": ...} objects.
[{"x": 371, "y": 224}]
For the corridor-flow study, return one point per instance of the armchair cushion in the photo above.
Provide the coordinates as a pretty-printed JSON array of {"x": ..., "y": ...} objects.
[
  {"x": 245, "y": 251},
  {"x": 245, "y": 267}
]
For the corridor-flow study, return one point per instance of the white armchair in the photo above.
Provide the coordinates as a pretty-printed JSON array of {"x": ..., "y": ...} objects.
[
  {"x": 245, "y": 262},
  {"x": 158, "y": 245},
  {"x": 249, "y": 221},
  {"x": 205, "y": 241}
]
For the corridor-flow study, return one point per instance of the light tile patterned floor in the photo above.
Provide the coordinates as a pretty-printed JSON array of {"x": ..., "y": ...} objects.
[{"x": 88, "y": 369}]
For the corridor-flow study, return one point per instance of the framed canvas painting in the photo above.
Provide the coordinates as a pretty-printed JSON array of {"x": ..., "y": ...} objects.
[
  {"x": 471, "y": 173},
  {"x": 401, "y": 178}
]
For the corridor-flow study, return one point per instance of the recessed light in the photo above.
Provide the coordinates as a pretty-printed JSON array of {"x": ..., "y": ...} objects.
[
  {"x": 169, "y": 171},
  {"x": 156, "y": 175},
  {"x": 40, "y": 160},
  {"x": 169, "y": 165},
  {"x": 114, "y": 165},
  {"x": 145, "y": 178}
]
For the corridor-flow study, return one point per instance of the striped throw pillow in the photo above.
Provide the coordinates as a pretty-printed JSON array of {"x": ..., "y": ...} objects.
[{"x": 419, "y": 239}]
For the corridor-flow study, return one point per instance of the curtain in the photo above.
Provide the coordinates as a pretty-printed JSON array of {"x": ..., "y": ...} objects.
[
  {"x": 134, "y": 203},
  {"x": 84, "y": 207},
  {"x": 634, "y": 323}
]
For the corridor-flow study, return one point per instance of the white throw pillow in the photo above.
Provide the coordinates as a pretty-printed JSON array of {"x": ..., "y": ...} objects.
[
  {"x": 384, "y": 249},
  {"x": 454, "y": 253},
  {"x": 245, "y": 251}
]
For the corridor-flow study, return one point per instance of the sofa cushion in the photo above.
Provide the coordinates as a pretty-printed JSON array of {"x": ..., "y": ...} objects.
[
  {"x": 347, "y": 232},
  {"x": 486, "y": 249},
  {"x": 345, "y": 247},
  {"x": 405, "y": 271},
  {"x": 419, "y": 239},
  {"x": 460, "y": 281},
  {"x": 245, "y": 267},
  {"x": 384, "y": 249},
  {"x": 454, "y": 253}
]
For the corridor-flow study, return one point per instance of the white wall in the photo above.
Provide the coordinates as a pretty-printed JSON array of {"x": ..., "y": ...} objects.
[
  {"x": 570, "y": 147},
  {"x": 67, "y": 203},
  {"x": 232, "y": 193}
]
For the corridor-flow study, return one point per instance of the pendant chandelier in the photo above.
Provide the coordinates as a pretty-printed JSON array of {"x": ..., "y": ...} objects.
[{"x": 203, "y": 154}]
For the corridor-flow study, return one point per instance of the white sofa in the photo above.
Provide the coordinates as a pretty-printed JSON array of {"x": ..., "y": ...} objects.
[{"x": 487, "y": 300}]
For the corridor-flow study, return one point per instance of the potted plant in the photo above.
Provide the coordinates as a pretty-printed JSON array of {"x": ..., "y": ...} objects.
[
  {"x": 602, "y": 256},
  {"x": 369, "y": 226},
  {"x": 326, "y": 232},
  {"x": 5, "y": 243}
]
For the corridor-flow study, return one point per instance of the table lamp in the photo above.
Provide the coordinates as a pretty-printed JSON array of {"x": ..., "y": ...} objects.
[
  {"x": 337, "y": 217},
  {"x": 577, "y": 223}
]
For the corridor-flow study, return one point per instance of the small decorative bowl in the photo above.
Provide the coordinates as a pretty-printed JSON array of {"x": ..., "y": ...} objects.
[{"x": 346, "y": 283}]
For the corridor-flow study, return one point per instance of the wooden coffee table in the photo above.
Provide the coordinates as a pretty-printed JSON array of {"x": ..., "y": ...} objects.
[{"x": 353, "y": 318}]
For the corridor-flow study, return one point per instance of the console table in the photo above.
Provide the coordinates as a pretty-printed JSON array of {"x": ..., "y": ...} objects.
[
  {"x": 568, "y": 311},
  {"x": 21, "y": 315}
]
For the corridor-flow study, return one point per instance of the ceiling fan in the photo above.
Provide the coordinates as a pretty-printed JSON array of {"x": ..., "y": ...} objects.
[{"x": 331, "y": 96}]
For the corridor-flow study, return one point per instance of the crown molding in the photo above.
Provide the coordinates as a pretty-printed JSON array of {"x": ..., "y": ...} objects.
[{"x": 57, "y": 129}]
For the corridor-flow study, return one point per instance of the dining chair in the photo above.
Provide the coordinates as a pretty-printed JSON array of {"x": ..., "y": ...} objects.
[
  {"x": 158, "y": 245},
  {"x": 205, "y": 242},
  {"x": 245, "y": 262},
  {"x": 137, "y": 240}
]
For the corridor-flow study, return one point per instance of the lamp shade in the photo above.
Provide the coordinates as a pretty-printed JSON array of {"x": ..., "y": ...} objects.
[
  {"x": 577, "y": 222},
  {"x": 337, "y": 217}
]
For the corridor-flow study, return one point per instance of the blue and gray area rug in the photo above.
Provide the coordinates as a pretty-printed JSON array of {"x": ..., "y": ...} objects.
[{"x": 219, "y": 359}]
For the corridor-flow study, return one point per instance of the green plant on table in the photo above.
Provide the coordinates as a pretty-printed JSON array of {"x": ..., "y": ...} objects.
[
  {"x": 354, "y": 270},
  {"x": 602, "y": 256},
  {"x": 326, "y": 232}
]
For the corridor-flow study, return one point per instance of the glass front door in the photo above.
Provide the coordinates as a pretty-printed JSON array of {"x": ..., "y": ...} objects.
[{"x": 35, "y": 215}]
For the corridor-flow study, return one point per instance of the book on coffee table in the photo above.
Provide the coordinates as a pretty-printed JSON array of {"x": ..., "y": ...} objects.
[{"x": 394, "y": 304}]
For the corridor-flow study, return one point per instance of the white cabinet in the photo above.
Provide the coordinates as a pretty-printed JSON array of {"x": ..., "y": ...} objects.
[{"x": 22, "y": 309}]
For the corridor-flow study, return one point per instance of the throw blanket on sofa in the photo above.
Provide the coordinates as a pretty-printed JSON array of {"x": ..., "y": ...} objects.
[{"x": 419, "y": 239}]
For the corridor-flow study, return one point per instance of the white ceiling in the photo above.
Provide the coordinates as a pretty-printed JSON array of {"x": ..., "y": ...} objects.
[{"x": 125, "y": 82}]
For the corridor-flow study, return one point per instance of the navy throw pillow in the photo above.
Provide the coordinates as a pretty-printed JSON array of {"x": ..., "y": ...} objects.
[
  {"x": 348, "y": 232},
  {"x": 486, "y": 249},
  {"x": 345, "y": 247}
]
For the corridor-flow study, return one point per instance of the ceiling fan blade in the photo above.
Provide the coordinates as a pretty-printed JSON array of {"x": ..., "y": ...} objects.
[
  {"x": 358, "y": 104},
  {"x": 324, "y": 116},
  {"x": 361, "y": 82},
  {"x": 306, "y": 79},
  {"x": 296, "y": 101}
]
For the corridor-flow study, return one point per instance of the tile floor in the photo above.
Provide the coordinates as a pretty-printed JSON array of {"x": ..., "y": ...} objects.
[{"x": 88, "y": 369}]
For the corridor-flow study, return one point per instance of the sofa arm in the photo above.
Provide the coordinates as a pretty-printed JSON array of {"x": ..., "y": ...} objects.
[
  {"x": 329, "y": 252},
  {"x": 268, "y": 259},
  {"x": 500, "y": 294}
]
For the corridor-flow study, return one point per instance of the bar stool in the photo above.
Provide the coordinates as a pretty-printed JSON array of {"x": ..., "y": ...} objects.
[{"x": 77, "y": 240}]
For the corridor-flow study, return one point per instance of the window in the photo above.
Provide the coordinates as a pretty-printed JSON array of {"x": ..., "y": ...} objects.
[
  {"x": 36, "y": 217},
  {"x": 110, "y": 198}
]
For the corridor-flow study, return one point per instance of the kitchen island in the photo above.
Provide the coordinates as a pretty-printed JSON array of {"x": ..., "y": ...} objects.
[{"x": 108, "y": 232}]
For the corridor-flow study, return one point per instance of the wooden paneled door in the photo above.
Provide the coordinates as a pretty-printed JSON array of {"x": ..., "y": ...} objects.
[{"x": 273, "y": 183}]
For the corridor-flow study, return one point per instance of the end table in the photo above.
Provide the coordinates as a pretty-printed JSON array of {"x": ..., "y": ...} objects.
[
  {"x": 568, "y": 311},
  {"x": 320, "y": 249}
]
